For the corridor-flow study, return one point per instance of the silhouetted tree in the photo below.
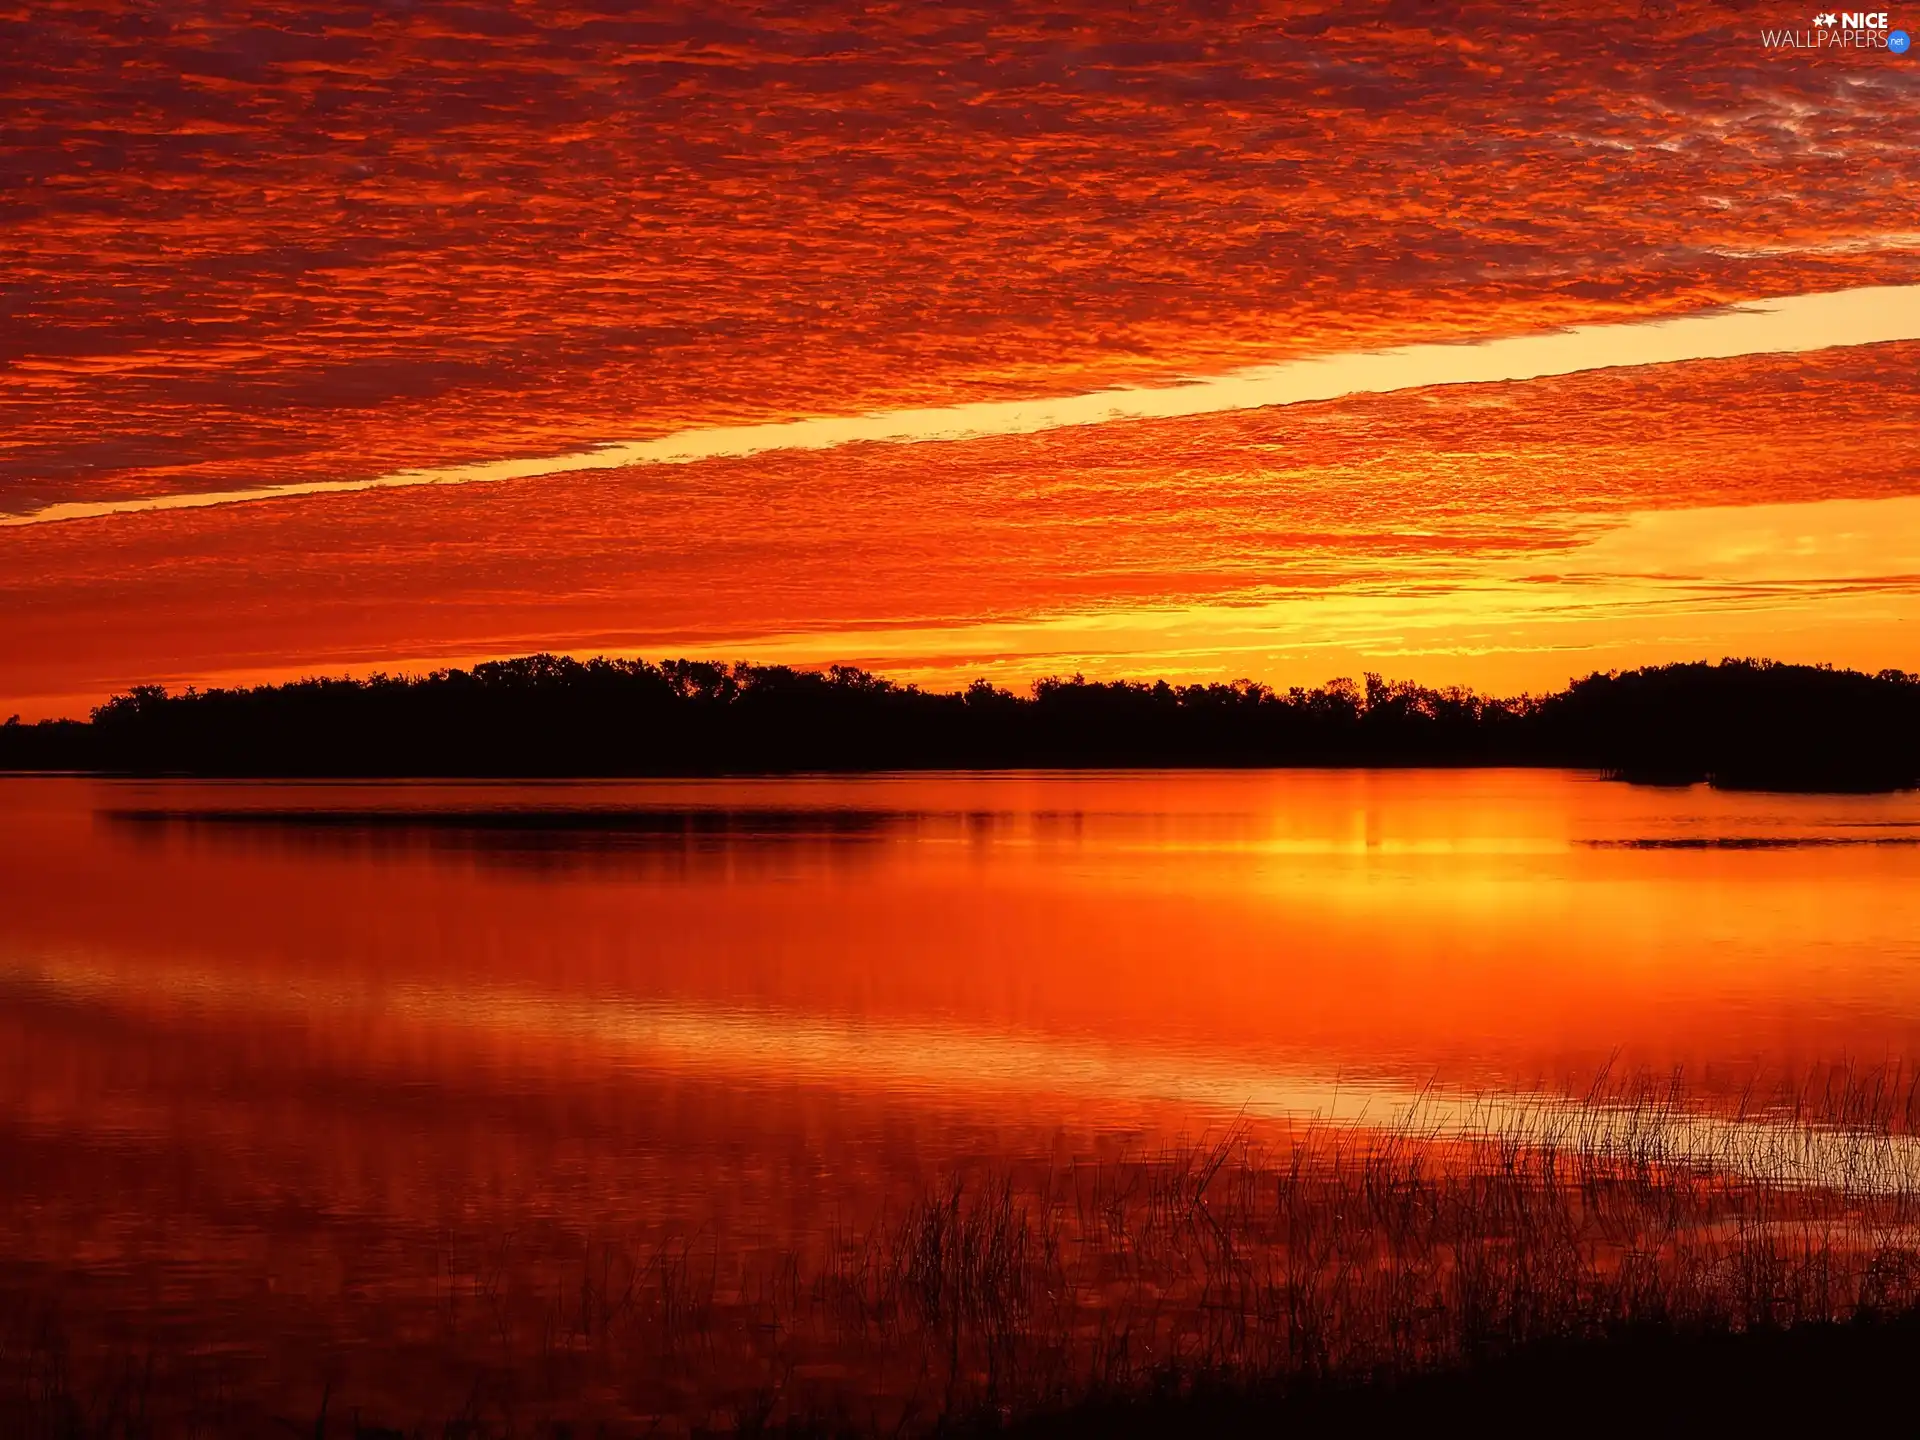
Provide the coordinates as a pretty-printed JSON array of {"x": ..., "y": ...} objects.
[{"x": 1737, "y": 723}]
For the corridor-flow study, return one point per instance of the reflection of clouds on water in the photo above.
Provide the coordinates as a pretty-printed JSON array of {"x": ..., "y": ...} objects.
[
  {"x": 950, "y": 1063},
  {"x": 1398, "y": 924},
  {"x": 544, "y": 822},
  {"x": 543, "y": 837},
  {"x": 1746, "y": 842}
]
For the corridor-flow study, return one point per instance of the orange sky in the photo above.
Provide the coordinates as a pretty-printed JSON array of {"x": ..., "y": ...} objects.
[{"x": 324, "y": 243}]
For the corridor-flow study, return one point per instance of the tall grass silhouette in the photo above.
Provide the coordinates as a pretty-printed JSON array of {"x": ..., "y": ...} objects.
[{"x": 1469, "y": 1229}]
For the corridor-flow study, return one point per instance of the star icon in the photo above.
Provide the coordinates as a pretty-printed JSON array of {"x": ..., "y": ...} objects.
[{"x": 1827, "y": 19}]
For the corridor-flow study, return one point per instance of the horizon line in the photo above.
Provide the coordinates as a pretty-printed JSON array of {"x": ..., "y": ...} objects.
[
  {"x": 1867, "y": 315},
  {"x": 1031, "y": 691}
]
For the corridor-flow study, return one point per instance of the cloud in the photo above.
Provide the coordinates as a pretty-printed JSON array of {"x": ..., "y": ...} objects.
[
  {"x": 1809, "y": 322},
  {"x": 292, "y": 242}
]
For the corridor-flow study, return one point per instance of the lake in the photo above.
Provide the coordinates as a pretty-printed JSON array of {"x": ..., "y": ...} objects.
[{"x": 297, "y": 1079}]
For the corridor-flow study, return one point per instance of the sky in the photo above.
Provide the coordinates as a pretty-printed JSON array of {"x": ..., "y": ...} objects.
[{"x": 1469, "y": 344}]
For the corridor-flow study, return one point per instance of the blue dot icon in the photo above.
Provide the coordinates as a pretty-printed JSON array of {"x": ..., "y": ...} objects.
[{"x": 1898, "y": 41}]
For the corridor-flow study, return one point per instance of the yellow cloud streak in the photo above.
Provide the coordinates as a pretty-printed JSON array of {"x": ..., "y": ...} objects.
[
  {"x": 1691, "y": 582},
  {"x": 1867, "y": 316}
]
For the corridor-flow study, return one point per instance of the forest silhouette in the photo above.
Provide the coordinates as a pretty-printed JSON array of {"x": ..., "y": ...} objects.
[{"x": 1737, "y": 724}]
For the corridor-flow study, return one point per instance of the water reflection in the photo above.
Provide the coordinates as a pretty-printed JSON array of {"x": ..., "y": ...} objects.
[
  {"x": 270, "y": 1053},
  {"x": 1482, "y": 927}
]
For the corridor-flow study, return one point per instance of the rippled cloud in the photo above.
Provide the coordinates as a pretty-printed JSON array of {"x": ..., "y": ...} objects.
[
  {"x": 277, "y": 243},
  {"x": 1420, "y": 497}
]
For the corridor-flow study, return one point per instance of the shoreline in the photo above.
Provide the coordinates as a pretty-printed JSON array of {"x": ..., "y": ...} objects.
[{"x": 1736, "y": 725}]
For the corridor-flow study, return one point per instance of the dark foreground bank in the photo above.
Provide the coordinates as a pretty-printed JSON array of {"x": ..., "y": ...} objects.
[
  {"x": 1600, "y": 1266},
  {"x": 1849, "y": 1377},
  {"x": 1739, "y": 724},
  {"x": 1811, "y": 1379}
]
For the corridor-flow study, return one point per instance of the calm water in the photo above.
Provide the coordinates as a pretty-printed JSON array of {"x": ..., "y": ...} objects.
[{"x": 279, "y": 1060}]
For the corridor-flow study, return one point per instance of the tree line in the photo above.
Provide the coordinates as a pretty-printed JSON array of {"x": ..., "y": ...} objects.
[{"x": 1741, "y": 723}]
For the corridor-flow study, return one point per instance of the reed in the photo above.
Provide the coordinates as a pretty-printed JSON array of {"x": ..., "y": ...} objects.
[{"x": 1467, "y": 1230}]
